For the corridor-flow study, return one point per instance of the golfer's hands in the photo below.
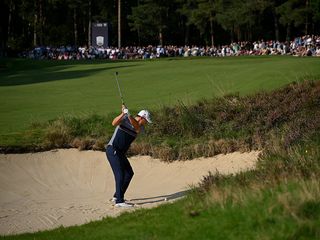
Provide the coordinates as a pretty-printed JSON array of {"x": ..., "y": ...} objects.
[
  {"x": 118, "y": 119},
  {"x": 125, "y": 110}
]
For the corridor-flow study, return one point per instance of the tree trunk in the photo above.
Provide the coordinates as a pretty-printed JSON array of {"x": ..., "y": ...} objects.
[
  {"x": 276, "y": 25},
  {"x": 238, "y": 34},
  {"x": 24, "y": 30},
  {"x": 41, "y": 21},
  {"x": 35, "y": 24},
  {"x": 75, "y": 31},
  {"x": 232, "y": 34},
  {"x": 84, "y": 29},
  {"x": 138, "y": 31},
  {"x": 307, "y": 17},
  {"x": 288, "y": 32},
  {"x": 211, "y": 33},
  {"x": 10, "y": 19},
  {"x": 249, "y": 36},
  {"x": 186, "y": 37},
  {"x": 139, "y": 38},
  {"x": 160, "y": 37},
  {"x": 119, "y": 24},
  {"x": 89, "y": 25},
  {"x": 313, "y": 27}
]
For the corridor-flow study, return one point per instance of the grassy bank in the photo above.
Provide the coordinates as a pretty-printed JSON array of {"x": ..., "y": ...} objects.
[
  {"x": 234, "y": 123},
  {"x": 209, "y": 127},
  {"x": 38, "y": 91}
]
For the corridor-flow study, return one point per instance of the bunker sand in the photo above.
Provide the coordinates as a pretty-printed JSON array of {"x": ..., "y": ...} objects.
[{"x": 40, "y": 191}]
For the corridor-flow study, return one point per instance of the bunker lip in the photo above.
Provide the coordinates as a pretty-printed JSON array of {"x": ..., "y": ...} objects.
[{"x": 44, "y": 190}]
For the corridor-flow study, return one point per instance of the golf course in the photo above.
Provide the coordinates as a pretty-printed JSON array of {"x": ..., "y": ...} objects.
[
  {"x": 249, "y": 125},
  {"x": 43, "y": 90}
]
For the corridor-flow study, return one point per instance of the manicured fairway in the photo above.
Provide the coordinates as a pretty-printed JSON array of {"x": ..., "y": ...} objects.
[{"x": 43, "y": 90}]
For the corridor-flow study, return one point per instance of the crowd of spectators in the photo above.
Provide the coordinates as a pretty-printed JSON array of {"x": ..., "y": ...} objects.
[{"x": 300, "y": 46}]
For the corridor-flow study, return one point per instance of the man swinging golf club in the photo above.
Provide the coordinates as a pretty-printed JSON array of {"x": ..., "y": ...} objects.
[{"x": 127, "y": 129}]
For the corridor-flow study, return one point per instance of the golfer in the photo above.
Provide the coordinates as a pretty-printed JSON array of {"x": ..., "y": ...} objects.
[{"x": 127, "y": 129}]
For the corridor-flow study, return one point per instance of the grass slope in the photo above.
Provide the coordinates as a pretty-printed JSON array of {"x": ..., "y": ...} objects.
[
  {"x": 42, "y": 90},
  {"x": 205, "y": 128}
]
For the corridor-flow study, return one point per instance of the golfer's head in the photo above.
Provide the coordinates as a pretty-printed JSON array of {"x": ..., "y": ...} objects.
[{"x": 145, "y": 117}]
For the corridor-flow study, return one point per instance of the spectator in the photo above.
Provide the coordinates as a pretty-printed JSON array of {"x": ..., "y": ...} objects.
[{"x": 300, "y": 46}]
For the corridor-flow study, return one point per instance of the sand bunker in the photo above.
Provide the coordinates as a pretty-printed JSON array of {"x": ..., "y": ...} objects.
[{"x": 41, "y": 191}]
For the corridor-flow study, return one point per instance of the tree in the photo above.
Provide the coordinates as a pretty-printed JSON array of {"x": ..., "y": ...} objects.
[
  {"x": 227, "y": 16},
  {"x": 74, "y": 6},
  {"x": 185, "y": 9},
  {"x": 241, "y": 17},
  {"x": 205, "y": 16},
  {"x": 148, "y": 19},
  {"x": 18, "y": 24},
  {"x": 273, "y": 4},
  {"x": 314, "y": 8},
  {"x": 292, "y": 14},
  {"x": 201, "y": 14},
  {"x": 27, "y": 23}
]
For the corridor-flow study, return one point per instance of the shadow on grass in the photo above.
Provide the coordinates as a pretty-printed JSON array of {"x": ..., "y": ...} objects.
[
  {"x": 162, "y": 198},
  {"x": 24, "y": 72}
]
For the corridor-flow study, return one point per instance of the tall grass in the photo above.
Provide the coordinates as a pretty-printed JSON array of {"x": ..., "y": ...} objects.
[
  {"x": 83, "y": 133},
  {"x": 285, "y": 185},
  {"x": 232, "y": 123},
  {"x": 209, "y": 127},
  {"x": 301, "y": 161}
]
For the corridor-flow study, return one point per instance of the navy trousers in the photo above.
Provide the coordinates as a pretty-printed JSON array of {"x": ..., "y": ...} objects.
[{"x": 122, "y": 172}]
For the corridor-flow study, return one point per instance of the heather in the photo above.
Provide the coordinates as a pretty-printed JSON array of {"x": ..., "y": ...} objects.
[
  {"x": 262, "y": 121},
  {"x": 233, "y": 123}
]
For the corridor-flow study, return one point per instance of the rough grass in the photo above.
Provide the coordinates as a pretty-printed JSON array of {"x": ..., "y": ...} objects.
[
  {"x": 221, "y": 125},
  {"x": 300, "y": 161},
  {"x": 234, "y": 123}
]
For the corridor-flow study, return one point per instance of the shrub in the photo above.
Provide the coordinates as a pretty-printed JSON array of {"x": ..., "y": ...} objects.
[{"x": 264, "y": 121}]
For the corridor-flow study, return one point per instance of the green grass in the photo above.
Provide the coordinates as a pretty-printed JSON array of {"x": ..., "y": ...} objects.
[
  {"x": 206, "y": 128},
  {"x": 42, "y": 90},
  {"x": 278, "y": 200}
]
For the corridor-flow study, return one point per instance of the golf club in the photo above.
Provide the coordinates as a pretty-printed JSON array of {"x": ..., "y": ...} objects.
[{"x": 116, "y": 74}]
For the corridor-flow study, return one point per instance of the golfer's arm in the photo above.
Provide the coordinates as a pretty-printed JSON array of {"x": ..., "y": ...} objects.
[
  {"x": 135, "y": 124},
  {"x": 117, "y": 120}
]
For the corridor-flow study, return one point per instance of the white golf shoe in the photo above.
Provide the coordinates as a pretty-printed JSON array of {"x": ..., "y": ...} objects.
[
  {"x": 124, "y": 205},
  {"x": 114, "y": 200}
]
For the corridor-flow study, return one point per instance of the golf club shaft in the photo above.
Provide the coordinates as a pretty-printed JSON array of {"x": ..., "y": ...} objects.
[{"x": 116, "y": 74}]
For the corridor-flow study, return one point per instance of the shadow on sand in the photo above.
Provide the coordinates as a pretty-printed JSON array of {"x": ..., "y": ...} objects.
[{"x": 156, "y": 199}]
